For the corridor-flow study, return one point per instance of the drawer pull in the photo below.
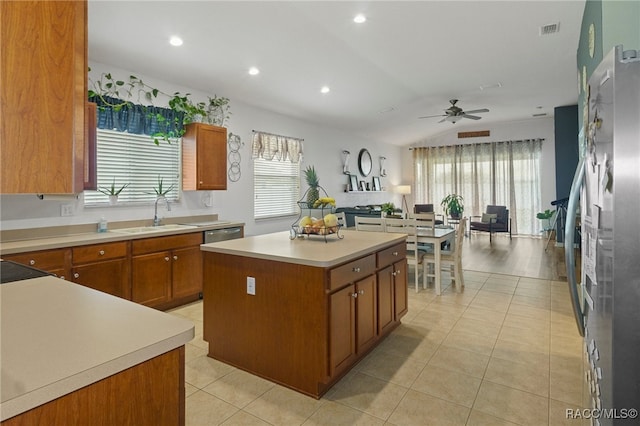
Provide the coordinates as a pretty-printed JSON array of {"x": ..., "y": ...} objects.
[
  {"x": 32, "y": 262},
  {"x": 175, "y": 257},
  {"x": 354, "y": 295},
  {"x": 101, "y": 252},
  {"x": 395, "y": 253},
  {"x": 166, "y": 259},
  {"x": 76, "y": 275},
  {"x": 360, "y": 291},
  {"x": 356, "y": 269}
]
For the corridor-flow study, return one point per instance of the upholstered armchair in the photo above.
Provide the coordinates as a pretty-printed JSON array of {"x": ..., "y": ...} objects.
[{"x": 495, "y": 219}]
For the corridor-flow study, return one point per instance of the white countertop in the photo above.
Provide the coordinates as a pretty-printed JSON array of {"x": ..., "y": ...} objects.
[
  {"x": 313, "y": 251},
  {"x": 58, "y": 337}
]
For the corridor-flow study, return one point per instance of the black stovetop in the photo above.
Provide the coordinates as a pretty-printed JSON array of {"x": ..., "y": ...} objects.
[{"x": 11, "y": 271}]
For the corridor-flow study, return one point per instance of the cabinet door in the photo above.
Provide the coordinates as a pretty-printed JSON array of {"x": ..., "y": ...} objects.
[
  {"x": 386, "y": 294},
  {"x": 110, "y": 276},
  {"x": 400, "y": 287},
  {"x": 342, "y": 339},
  {"x": 43, "y": 75},
  {"x": 204, "y": 157},
  {"x": 57, "y": 261},
  {"x": 151, "y": 278},
  {"x": 366, "y": 313},
  {"x": 187, "y": 272}
]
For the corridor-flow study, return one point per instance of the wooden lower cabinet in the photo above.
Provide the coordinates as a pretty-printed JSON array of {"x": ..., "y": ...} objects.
[
  {"x": 166, "y": 271},
  {"x": 401, "y": 297},
  {"x": 56, "y": 261},
  {"x": 326, "y": 318},
  {"x": 103, "y": 267},
  {"x": 150, "y": 393}
]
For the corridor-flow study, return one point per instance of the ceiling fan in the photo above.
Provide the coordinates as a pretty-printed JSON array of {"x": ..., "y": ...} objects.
[{"x": 455, "y": 113}]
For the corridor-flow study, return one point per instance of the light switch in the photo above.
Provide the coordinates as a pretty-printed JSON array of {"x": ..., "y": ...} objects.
[{"x": 251, "y": 286}]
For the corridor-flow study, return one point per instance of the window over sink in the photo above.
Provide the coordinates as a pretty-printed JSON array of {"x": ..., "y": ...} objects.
[{"x": 135, "y": 160}]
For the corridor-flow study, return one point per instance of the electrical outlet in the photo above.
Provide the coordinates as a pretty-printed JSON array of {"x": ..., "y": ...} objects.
[
  {"x": 251, "y": 286},
  {"x": 66, "y": 210}
]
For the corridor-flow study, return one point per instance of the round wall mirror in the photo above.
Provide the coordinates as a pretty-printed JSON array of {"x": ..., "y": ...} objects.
[{"x": 364, "y": 162}]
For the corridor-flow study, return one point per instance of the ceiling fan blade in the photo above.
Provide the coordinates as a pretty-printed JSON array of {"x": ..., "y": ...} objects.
[
  {"x": 475, "y": 111},
  {"x": 444, "y": 119},
  {"x": 431, "y": 116},
  {"x": 473, "y": 117}
]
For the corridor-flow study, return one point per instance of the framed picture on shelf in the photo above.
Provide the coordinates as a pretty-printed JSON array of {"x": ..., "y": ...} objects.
[
  {"x": 376, "y": 183},
  {"x": 363, "y": 186},
  {"x": 353, "y": 183}
]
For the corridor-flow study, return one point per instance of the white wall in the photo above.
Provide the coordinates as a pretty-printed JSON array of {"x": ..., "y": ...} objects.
[
  {"x": 323, "y": 149},
  {"x": 527, "y": 129}
]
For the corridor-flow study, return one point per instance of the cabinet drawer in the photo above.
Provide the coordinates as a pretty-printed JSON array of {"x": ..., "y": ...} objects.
[
  {"x": 352, "y": 271},
  {"x": 151, "y": 245},
  {"x": 98, "y": 252},
  {"x": 392, "y": 254},
  {"x": 45, "y": 259}
]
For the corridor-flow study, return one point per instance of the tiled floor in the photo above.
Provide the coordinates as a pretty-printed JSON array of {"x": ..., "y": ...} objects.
[{"x": 505, "y": 351}]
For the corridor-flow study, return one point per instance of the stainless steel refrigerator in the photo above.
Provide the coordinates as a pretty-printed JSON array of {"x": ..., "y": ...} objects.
[{"x": 606, "y": 188}]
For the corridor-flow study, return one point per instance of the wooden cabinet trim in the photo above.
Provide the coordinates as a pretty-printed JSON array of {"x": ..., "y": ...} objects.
[
  {"x": 386, "y": 257},
  {"x": 151, "y": 245},
  {"x": 100, "y": 252},
  {"x": 352, "y": 271}
]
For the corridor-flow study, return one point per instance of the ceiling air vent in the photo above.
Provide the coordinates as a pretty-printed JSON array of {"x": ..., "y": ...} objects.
[{"x": 549, "y": 29}]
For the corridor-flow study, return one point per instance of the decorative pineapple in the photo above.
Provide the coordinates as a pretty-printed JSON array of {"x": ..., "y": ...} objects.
[{"x": 312, "y": 180}]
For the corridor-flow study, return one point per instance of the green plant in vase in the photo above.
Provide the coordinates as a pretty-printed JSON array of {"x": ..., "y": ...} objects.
[
  {"x": 453, "y": 205},
  {"x": 161, "y": 190},
  {"x": 388, "y": 208},
  {"x": 313, "y": 193}
]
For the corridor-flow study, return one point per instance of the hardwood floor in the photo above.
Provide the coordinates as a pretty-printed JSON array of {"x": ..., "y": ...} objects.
[{"x": 521, "y": 256}]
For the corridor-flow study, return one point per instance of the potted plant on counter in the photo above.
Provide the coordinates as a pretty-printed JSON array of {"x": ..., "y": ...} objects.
[
  {"x": 453, "y": 205},
  {"x": 112, "y": 192}
]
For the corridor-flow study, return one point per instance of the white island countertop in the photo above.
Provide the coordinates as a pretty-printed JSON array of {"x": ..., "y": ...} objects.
[
  {"x": 311, "y": 251},
  {"x": 58, "y": 337}
]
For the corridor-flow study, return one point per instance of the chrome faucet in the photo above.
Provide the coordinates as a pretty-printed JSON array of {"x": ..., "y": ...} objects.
[{"x": 156, "y": 220}]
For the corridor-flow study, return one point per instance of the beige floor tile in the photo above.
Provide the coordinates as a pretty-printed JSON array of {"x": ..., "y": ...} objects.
[
  {"x": 486, "y": 300},
  {"x": 560, "y": 414},
  {"x": 470, "y": 342},
  {"x": 478, "y": 326},
  {"x": 471, "y": 363},
  {"x": 499, "y": 287},
  {"x": 484, "y": 314},
  {"x": 242, "y": 418},
  {"x": 542, "y": 292},
  {"x": 205, "y": 409},
  {"x": 412, "y": 342},
  {"x": 566, "y": 364},
  {"x": 192, "y": 352},
  {"x": 203, "y": 370},
  {"x": 448, "y": 385},
  {"x": 368, "y": 394},
  {"x": 238, "y": 388},
  {"x": 434, "y": 320},
  {"x": 511, "y": 404},
  {"x": 521, "y": 352},
  {"x": 401, "y": 370},
  {"x": 566, "y": 387},
  {"x": 527, "y": 323},
  {"x": 478, "y": 418},
  {"x": 534, "y": 301},
  {"x": 332, "y": 413},
  {"x": 568, "y": 346},
  {"x": 531, "y": 336},
  {"x": 282, "y": 406},
  {"x": 189, "y": 389},
  {"x": 417, "y": 408},
  {"x": 540, "y": 314},
  {"x": 527, "y": 377}
]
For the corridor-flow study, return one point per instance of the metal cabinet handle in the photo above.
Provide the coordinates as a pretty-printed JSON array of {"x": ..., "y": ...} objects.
[
  {"x": 394, "y": 273},
  {"x": 354, "y": 295},
  {"x": 356, "y": 269},
  {"x": 101, "y": 252},
  {"x": 76, "y": 275},
  {"x": 175, "y": 257},
  {"x": 32, "y": 262},
  {"x": 61, "y": 277},
  {"x": 395, "y": 253},
  {"x": 360, "y": 291},
  {"x": 166, "y": 259}
]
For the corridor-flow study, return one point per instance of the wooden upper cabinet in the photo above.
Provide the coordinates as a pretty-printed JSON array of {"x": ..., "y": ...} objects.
[
  {"x": 43, "y": 75},
  {"x": 91, "y": 148},
  {"x": 204, "y": 157}
]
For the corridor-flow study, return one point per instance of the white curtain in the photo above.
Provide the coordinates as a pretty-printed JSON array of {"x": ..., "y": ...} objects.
[
  {"x": 497, "y": 173},
  {"x": 276, "y": 147}
]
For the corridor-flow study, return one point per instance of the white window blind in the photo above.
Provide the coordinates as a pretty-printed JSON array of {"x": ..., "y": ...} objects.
[
  {"x": 136, "y": 160},
  {"x": 276, "y": 188}
]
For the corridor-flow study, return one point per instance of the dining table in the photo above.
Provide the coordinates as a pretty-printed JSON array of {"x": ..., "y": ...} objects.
[{"x": 435, "y": 236}]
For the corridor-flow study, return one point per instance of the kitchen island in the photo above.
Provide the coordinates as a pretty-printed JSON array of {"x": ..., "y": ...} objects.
[
  {"x": 302, "y": 312},
  {"x": 74, "y": 355}
]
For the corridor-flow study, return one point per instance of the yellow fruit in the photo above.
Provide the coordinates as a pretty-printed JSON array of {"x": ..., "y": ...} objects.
[
  {"x": 331, "y": 220},
  {"x": 305, "y": 221}
]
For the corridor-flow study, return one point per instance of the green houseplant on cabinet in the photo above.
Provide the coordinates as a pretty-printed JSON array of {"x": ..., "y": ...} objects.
[{"x": 453, "y": 205}]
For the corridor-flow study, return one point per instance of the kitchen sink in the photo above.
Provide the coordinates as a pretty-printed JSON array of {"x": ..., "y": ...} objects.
[{"x": 150, "y": 229}]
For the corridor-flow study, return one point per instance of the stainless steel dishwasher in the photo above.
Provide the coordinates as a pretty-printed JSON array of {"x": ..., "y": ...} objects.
[{"x": 222, "y": 234}]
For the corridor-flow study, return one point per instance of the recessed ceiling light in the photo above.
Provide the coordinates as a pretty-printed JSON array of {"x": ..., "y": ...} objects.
[
  {"x": 175, "y": 41},
  {"x": 325, "y": 89},
  {"x": 254, "y": 71},
  {"x": 359, "y": 18}
]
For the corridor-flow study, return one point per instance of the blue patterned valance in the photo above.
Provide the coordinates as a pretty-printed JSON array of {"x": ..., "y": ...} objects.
[{"x": 136, "y": 119}]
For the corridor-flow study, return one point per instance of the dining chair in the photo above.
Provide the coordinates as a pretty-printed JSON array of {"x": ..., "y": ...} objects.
[
  {"x": 425, "y": 221},
  {"x": 451, "y": 259},
  {"x": 369, "y": 223},
  {"x": 415, "y": 256}
]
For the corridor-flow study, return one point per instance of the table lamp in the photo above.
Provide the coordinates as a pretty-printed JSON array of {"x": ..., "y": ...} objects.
[{"x": 404, "y": 190}]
